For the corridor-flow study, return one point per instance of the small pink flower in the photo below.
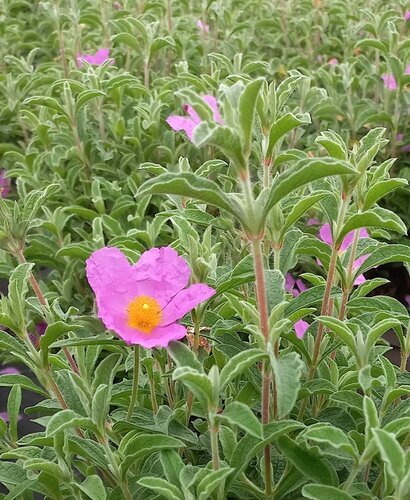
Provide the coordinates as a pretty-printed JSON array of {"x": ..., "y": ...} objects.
[
  {"x": 300, "y": 328},
  {"x": 143, "y": 302},
  {"x": 190, "y": 122},
  {"x": 405, "y": 149},
  {"x": 407, "y": 15},
  {"x": 4, "y": 184},
  {"x": 325, "y": 234},
  {"x": 389, "y": 81},
  {"x": 117, "y": 6},
  {"x": 294, "y": 286},
  {"x": 407, "y": 300},
  {"x": 5, "y": 416},
  {"x": 202, "y": 26},
  {"x": 313, "y": 221},
  {"x": 333, "y": 61},
  {"x": 400, "y": 137},
  {"x": 99, "y": 58},
  {"x": 407, "y": 72}
]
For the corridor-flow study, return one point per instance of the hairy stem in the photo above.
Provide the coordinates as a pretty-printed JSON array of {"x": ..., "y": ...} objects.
[{"x": 135, "y": 380}]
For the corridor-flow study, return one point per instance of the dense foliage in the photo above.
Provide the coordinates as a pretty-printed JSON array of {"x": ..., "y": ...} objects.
[{"x": 258, "y": 139}]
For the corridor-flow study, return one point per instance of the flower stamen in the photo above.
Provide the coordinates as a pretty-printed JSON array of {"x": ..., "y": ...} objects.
[{"x": 144, "y": 313}]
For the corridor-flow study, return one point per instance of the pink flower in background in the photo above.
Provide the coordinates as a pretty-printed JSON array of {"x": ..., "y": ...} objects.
[
  {"x": 325, "y": 234},
  {"x": 405, "y": 149},
  {"x": 407, "y": 15},
  {"x": 4, "y": 184},
  {"x": 300, "y": 328},
  {"x": 294, "y": 286},
  {"x": 143, "y": 302},
  {"x": 333, "y": 61},
  {"x": 407, "y": 72},
  {"x": 5, "y": 416},
  {"x": 9, "y": 370},
  {"x": 399, "y": 137},
  {"x": 117, "y": 6},
  {"x": 190, "y": 122},
  {"x": 389, "y": 81},
  {"x": 99, "y": 58},
  {"x": 313, "y": 221},
  {"x": 202, "y": 26}
]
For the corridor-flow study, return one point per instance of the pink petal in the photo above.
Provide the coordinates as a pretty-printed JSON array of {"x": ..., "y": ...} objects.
[
  {"x": 301, "y": 285},
  {"x": 4, "y": 184},
  {"x": 184, "y": 123},
  {"x": 359, "y": 280},
  {"x": 313, "y": 221},
  {"x": 159, "y": 337},
  {"x": 407, "y": 15},
  {"x": 289, "y": 282},
  {"x": 325, "y": 233},
  {"x": 407, "y": 72},
  {"x": 10, "y": 370},
  {"x": 333, "y": 61},
  {"x": 389, "y": 81},
  {"x": 300, "y": 328},
  {"x": 164, "y": 270},
  {"x": 407, "y": 300},
  {"x": 405, "y": 149},
  {"x": 192, "y": 114},
  {"x": 213, "y": 104},
  {"x": 360, "y": 260},
  {"x": 202, "y": 26},
  {"x": 399, "y": 137},
  {"x": 184, "y": 301}
]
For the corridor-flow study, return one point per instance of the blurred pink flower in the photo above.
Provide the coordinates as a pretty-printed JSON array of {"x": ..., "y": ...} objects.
[
  {"x": 333, "y": 61},
  {"x": 99, "y": 58},
  {"x": 5, "y": 416},
  {"x": 294, "y": 286},
  {"x": 407, "y": 72},
  {"x": 190, "y": 122},
  {"x": 405, "y": 149},
  {"x": 202, "y": 26},
  {"x": 9, "y": 370},
  {"x": 117, "y": 6},
  {"x": 313, "y": 221},
  {"x": 300, "y": 328},
  {"x": 399, "y": 137},
  {"x": 143, "y": 302},
  {"x": 389, "y": 81},
  {"x": 4, "y": 184},
  {"x": 407, "y": 15},
  {"x": 325, "y": 234}
]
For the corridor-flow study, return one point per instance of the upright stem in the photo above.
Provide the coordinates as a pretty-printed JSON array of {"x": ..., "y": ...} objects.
[
  {"x": 213, "y": 430},
  {"x": 61, "y": 41},
  {"x": 266, "y": 377},
  {"x": 135, "y": 380},
  {"x": 146, "y": 72}
]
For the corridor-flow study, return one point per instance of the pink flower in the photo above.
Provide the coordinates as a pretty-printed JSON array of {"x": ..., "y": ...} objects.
[
  {"x": 143, "y": 302},
  {"x": 5, "y": 416},
  {"x": 117, "y": 6},
  {"x": 313, "y": 221},
  {"x": 300, "y": 328},
  {"x": 202, "y": 26},
  {"x": 325, "y": 234},
  {"x": 407, "y": 72},
  {"x": 4, "y": 184},
  {"x": 190, "y": 122},
  {"x": 294, "y": 286},
  {"x": 389, "y": 81},
  {"x": 405, "y": 149},
  {"x": 407, "y": 15},
  {"x": 9, "y": 370},
  {"x": 333, "y": 61},
  {"x": 97, "y": 59},
  {"x": 399, "y": 137}
]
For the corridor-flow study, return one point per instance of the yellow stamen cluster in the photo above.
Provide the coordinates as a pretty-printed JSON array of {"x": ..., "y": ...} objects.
[{"x": 144, "y": 313}]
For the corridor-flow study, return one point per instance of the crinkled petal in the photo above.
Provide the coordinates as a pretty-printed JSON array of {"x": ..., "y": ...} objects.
[
  {"x": 163, "y": 271},
  {"x": 325, "y": 233},
  {"x": 300, "y": 328},
  {"x": 389, "y": 81},
  {"x": 160, "y": 336},
  {"x": 114, "y": 282},
  {"x": 183, "y": 123},
  {"x": 184, "y": 301},
  {"x": 101, "y": 56}
]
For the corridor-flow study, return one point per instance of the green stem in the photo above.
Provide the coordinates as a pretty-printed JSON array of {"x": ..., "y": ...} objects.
[
  {"x": 349, "y": 481},
  {"x": 135, "y": 380}
]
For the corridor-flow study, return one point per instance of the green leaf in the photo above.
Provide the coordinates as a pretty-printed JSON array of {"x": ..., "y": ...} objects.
[
  {"x": 377, "y": 331},
  {"x": 172, "y": 464},
  {"x": 67, "y": 419},
  {"x": 211, "y": 482},
  {"x": 332, "y": 436},
  {"x": 377, "y": 217},
  {"x": 307, "y": 462},
  {"x": 18, "y": 288},
  {"x": 85, "y": 96},
  {"x": 100, "y": 406},
  {"x": 191, "y": 186},
  {"x": 379, "y": 190},
  {"x": 11, "y": 473},
  {"x": 159, "y": 43},
  {"x": 196, "y": 381},
  {"x": 391, "y": 453},
  {"x": 13, "y": 410},
  {"x": 183, "y": 356},
  {"x": 161, "y": 487},
  {"x": 300, "y": 208},
  {"x": 47, "y": 102},
  {"x": 341, "y": 330},
  {"x": 247, "y": 109},
  {"x": 52, "y": 333},
  {"x": 322, "y": 492},
  {"x": 287, "y": 371},
  {"x": 302, "y": 173},
  {"x": 238, "y": 364},
  {"x": 241, "y": 415},
  {"x": 93, "y": 487},
  {"x": 126, "y": 39},
  {"x": 384, "y": 255},
  {"x": 284, "y": 125},
  {"x": 23, "y": 381},
  {"x": 224, "y": 138}
]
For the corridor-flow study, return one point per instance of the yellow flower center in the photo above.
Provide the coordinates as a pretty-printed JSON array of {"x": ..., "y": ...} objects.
[{"x": 144, "y": 313}]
